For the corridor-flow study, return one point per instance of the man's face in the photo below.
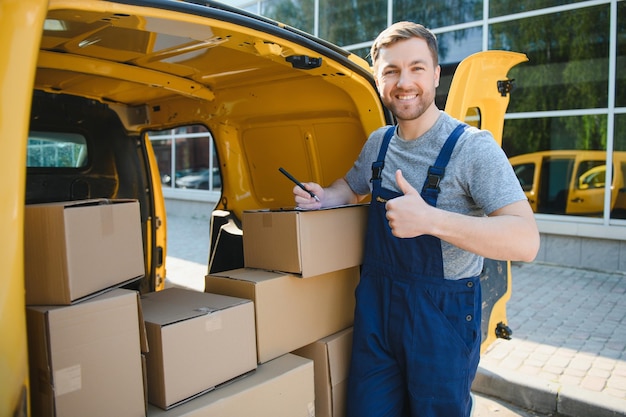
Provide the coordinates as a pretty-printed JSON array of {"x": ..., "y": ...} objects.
[{"x": 407, "y": 78}]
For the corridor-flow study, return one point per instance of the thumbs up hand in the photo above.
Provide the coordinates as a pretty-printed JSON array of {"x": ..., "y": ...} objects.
[{"x": 408, "y": 214}]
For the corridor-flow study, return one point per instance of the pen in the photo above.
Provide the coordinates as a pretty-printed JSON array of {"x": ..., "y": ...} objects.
[{"x": 298, "y": 183}]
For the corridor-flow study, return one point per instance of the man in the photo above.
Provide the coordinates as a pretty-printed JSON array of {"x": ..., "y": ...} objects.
[{"x": 417, "y": 319}]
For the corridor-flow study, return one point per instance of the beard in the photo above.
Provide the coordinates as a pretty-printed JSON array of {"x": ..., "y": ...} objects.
[{"x": 409, "y": 111}]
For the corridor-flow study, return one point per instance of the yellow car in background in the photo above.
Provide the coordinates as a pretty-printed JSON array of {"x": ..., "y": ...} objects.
[
  {"x": 91, "y": 78},
  {"x": 572, "y": 181}
]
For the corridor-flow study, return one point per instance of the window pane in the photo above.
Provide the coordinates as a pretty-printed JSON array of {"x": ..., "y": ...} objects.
[
  {"x": 434, "y": 14},
  {"x": 458, "y": 45},
  {"x": 525, "y": 173},
  {"x": 251, "y": 7},
  {"x": 568, "y": 59},
  {"x": 620, "y": 73},
  {"x": 192, "y": 163},
  {"x": 346, "y": 23},
  {"x": 504, "y": 7},
  {"x": 560, "y": 162},
  {"x": 295, "y": 13},
  {"x": 56, "y": 150},
  {"x": 619, "y": 134},
  {"x": 186, "y": 158},
  {"x": 554, "y": 133},
  {"x": 618, "y": 196},
  {"x": 453, "y": 48},
  {"x": 363, "y": 53},
  {"x": 162, "y": 145}
]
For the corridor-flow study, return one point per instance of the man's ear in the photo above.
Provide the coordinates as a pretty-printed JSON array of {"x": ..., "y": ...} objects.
[{"x": 437, "y": 75}]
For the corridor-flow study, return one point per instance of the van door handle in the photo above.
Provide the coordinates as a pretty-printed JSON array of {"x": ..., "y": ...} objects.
[{"x": 577, "y": 200}]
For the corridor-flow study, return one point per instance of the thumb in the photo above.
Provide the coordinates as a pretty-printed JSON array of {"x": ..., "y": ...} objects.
[{"x": 403, "y": 184}]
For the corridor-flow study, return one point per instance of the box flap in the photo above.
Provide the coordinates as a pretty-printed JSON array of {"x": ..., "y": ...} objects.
[
  {"x": 251, "y": 275},
  {"x": 173, "y": 305}
]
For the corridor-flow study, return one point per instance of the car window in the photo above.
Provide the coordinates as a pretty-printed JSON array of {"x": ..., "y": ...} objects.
[
  {"x": 525, "y": 174},
  {"x": 591, "y": 174},
  {"x": 56, "y": 150},
  {"x": 554, "y": 184}
]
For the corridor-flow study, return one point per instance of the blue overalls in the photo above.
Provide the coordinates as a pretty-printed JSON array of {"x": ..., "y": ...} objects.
[{"x": 416, "y": 341}]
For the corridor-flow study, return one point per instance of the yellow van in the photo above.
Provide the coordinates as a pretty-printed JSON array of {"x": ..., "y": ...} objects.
[
  {"x": 572, "y": 181},
  {"x": 83, "y": 82}
]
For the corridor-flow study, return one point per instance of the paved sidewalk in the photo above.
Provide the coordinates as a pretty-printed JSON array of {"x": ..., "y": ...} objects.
[
  {"x": 568, "y": 350},
  {"x": 567, "y": 354},
  {"x": 187, "y": 260}
]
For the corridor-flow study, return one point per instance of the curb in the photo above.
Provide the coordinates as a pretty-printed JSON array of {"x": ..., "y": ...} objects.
[{"x": 546, "y": 397}]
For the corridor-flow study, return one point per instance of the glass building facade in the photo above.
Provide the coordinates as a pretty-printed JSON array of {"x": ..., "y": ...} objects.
[{"x": 566, "y": 121}]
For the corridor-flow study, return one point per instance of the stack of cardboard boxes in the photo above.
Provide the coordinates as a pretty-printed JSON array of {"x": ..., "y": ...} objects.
[
  {"x": 270, "y": 339},
  {"x": 96, "y": 349},
  {"x": 301, "y": 271},
  {"x": 85, "y": 334}
]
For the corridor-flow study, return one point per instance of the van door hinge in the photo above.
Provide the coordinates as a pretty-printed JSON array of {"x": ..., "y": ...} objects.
[
  {"x": 506, "y": 86},
  {"x": 503, "y": 331}
]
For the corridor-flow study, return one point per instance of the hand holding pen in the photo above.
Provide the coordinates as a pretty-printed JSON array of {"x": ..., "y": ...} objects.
[{"x": 298, "y": 183}]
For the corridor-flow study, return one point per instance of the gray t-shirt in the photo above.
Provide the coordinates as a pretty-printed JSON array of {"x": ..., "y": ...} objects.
[{"x": 478, "y": 179}]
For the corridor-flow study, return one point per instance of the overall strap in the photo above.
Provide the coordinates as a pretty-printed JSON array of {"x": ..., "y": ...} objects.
[
  {"x": 379, "y": 164},
  {"x": 430, "y": 190}
]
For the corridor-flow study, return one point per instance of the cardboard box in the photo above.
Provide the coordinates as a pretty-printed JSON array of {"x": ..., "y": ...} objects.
[
  {"x": 305, "y": 243},
  {"x": 79, "y": 248},
  {"x": 331, "y": 357},
  {"x": 282, "y": 387},
  {"x": 85, "y": 359},
  {"x": 196, "y": 341},
  {"x": 291, "y": 312}
]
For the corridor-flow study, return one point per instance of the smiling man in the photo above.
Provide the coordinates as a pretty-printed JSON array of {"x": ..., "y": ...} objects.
[{"x": 444, "y": 196}]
